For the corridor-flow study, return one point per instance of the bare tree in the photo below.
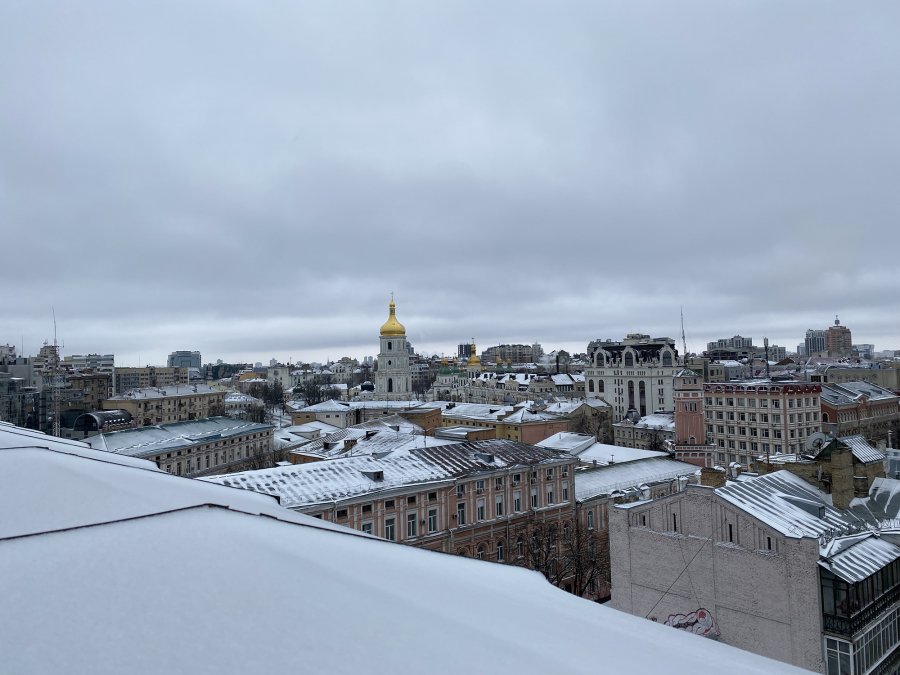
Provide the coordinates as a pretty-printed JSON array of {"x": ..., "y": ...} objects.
[{"x": 570, "y": 556}]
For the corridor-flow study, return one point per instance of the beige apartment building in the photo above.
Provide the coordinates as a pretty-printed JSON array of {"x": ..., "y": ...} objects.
[
  {"x": 753, "y": 418},
  {"x": 196, "y": 448},
  {"x": 149, "y": 376},
  {"x": 162, "y": 405},
  {"x": 476, "y": 499}
]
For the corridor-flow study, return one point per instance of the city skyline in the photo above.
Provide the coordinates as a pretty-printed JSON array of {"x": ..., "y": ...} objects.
[{"x": 257, "y": 185}]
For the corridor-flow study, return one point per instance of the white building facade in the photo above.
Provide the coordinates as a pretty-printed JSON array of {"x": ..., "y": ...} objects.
[{"x": 635, "y": 374}]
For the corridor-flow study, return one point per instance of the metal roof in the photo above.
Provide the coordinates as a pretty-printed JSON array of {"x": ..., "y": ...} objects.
[
  {"x": 859, "y": 556},
  {"x": 788, "y": 504}
]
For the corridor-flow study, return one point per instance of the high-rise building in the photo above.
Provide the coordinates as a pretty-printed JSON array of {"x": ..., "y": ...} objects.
[
  {"x": 815, "y": 342},
  {"x": 184, "y": 359},
  {"x": 838, "y": 340}
]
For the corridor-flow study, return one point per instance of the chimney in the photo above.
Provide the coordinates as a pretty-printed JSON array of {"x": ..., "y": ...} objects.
[
  {"x": 712, "y": 477},
  {"x": 842, "y": 489}
]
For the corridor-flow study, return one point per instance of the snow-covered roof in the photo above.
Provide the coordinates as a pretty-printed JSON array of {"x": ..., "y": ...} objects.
[
  {"x": 882, "y": 502},
  {"x": 662, "y": 421},
  {"x": 151, "y": 440},
  {"x": 846, "y": 393},
  {"x": 342, "y": 478},
  {"x": 148, "y": 393},
  {"x": 484, "y": 411},
  {"x": 51, "y": 484},
  {"x": 144, "y": 595},
  {"x": 603, "y": 453},
  {"x": 862, "y": 450},
  {"x": 568, "y": 441},
  {"x": 858, "y": 556},
  {"x": 602, "y": 480},
  {"x": 789, "y": 504}
]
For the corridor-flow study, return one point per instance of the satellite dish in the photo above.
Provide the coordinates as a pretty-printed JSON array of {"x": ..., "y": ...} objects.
[{"x": 814, "y": 442}]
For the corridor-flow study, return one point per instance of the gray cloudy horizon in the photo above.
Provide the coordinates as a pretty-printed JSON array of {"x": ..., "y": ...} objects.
[{"x": 253, "y": 180}]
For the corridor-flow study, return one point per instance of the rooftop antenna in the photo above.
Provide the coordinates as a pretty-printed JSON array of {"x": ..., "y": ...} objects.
[
  {"x": 683, "y": 340},
  {"x": 766, "y": 345},
  {"x": 54, "y": 377}
]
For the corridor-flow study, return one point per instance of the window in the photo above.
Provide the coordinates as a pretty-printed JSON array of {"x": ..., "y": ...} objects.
[
  {"x": 388, "y": 503},
  {"x": 590, "y": 520},
  {"x": 517, "y": 478},
  {"x": 432, "y": 520},
  {"x": 367, "y": 527},
  {"x": 411, "y": 519},
  {"x": 498, "y": 483},
  {"x": 460, "y": 489},
  {"x": 480, "y": 552},
  {"x": 565, "y": 491},
  {"x": 367, "y": 508},
  {"x": 534, "y": 498},
  {"x": 674, "y": 522},
  {"x": 500, "y": 551},
  {"x": 389, "y": 529},
  {"x": 520, "y": 547},
  {"x": 432, "y": 496},
  {"x": 461, "y": 513},
  {"x": 479, "y": 486},
  {"x": 411, "y": 500},
  {"x": 730, "y": 532},
  {"x": 517, "y": 501},
  {"x": 549, "y": 494},
  {"x": 549, "y": 474},
  {"x": 498, "y": 506},
  {"x": 479, "y": 509},
  {"x": 341, "y": 513}
]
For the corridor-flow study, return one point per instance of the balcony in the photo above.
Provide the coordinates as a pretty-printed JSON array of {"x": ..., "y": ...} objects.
[{"x": 843, "y": 625}]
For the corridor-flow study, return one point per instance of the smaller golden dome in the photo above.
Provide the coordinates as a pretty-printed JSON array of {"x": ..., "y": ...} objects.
[
  {"x": 473, "y": 356},
  {"x": 392, "y": 327}
]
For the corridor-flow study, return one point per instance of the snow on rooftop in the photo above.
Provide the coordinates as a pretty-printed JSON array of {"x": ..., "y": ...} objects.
[
  {"x": 789, "y": 504},
  {"x": 603, "y": 480},
  {"x": 602, "y": 453},
  {"x": 207, "y": 590},
  {"x": 568, "y": 441}
]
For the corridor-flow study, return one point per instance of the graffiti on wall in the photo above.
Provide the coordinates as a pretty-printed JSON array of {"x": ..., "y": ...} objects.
[{"x": 701, "y": 622}]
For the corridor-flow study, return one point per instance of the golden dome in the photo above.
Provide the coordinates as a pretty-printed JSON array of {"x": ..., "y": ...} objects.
[
  {"x": 473, "y": 356},
  {"x": 392, "y": 327}
]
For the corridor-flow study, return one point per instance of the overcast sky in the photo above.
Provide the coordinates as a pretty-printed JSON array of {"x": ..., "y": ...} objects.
[{"x": 253, "y": 179}]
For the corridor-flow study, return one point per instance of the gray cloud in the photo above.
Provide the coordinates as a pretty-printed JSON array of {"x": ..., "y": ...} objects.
[{"x": 254, "y": 180}]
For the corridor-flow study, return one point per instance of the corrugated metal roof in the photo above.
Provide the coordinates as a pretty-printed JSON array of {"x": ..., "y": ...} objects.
[
  {"x": 603, "y": 480},
  {"x": 347, "y": 477},
  {"x": 882, "y": 502},
  {"x": 862, "y": 450},
  {"x": 789, "y": 504},
  {"x": 865, "y": 556}
]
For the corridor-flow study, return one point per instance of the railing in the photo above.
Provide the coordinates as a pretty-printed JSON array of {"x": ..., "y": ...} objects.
[{"x": 854, "y": 624}]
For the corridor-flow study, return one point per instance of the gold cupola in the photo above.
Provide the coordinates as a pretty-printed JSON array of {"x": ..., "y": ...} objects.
[
  {"x": 473, "y": 356},
  {"x": 392, "y": 327}
]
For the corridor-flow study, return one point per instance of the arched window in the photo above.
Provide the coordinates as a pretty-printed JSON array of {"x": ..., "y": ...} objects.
[
  {"x": 500, "y": 551},
  {"x": 590, "y": 386},
  {"x": 824, "y": 417},
  {"x": 642, "y": 391},
  {"x": 600, "y": 386},
  {"x": 520, "y": 547},
  {"x": 631, "y": 393},
  {"x": 389, "y": 345},
  {"x": 590, "y": 520},
  {"x": 629, "y": 359},
  {"x": 390, "y": 384},
  {"x": 480, "y": 552},
  {"x": 667, "y": 358}
]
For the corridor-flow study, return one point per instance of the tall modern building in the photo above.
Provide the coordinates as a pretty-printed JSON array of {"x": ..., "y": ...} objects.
[
  {"x": 815, "y": 342},
  {"x": 838, "y": 339},
  {"x": 184, "y": 359},
  {"x": 393, "y": 381}
]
